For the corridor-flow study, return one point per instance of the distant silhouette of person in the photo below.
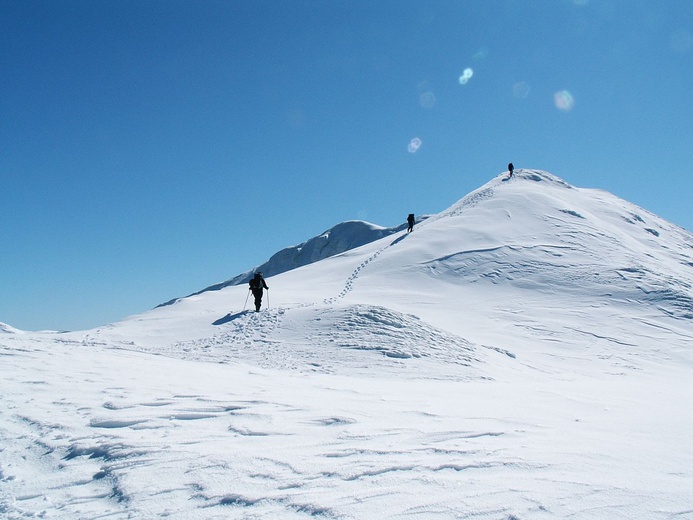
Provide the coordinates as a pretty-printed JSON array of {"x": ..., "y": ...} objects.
[
  {"x": 410, "y": 221},
  {"x": 511, "y": 168},
  {"x": 256, "y": 285}
]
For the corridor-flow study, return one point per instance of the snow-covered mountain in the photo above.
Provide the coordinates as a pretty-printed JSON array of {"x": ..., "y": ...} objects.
[
  {"x": 525, "y": 353},
  {"x": 7, "y": 329},
  {"x": 342, "y": 237},
  {"x": 519, "y": 244}
]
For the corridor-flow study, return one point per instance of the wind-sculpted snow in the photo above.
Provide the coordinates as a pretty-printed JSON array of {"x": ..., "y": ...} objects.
[
  {"x": 345, "y": 339},
  {"x": 524, "y": 354},
  {"x": 90, "y": 432},
  {"x": 563, "y": 269}
]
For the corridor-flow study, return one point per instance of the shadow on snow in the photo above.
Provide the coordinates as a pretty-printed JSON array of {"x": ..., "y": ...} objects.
[{"x": 229, "y": 317}]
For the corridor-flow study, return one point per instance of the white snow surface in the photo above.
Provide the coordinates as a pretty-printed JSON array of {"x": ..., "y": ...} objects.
[
  {"x": 7, "y": 329},
  {"x": 525, "y": 354}
]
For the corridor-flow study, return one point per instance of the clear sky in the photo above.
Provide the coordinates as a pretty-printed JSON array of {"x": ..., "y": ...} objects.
[{"x": 150, "y": 148}]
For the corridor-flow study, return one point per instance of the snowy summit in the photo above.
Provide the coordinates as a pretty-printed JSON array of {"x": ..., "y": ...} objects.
[{"x": 524, "y": 354}]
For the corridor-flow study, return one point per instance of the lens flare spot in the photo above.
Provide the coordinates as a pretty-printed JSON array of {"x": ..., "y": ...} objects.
[
  {"x": 521, "y": 90},
  {"x": 564, "y": 100},
  {"x": 481, "y": 54},
  {"x": 427, "y": 99},
  {"x": 414, "y": 145},
  {"x": 466, "y": 76}
]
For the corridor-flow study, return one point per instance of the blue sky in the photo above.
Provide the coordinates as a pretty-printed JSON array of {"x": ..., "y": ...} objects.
[{"x": 149, "y": 149}]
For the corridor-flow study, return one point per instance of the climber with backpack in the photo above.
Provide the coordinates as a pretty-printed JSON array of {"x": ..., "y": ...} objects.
[{"x": 257, "y": 283}]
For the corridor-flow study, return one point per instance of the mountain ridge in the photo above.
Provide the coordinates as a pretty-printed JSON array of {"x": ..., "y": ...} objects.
[
  {"x": 339, "y": 238},
  {"x": 528, "y": 252}
]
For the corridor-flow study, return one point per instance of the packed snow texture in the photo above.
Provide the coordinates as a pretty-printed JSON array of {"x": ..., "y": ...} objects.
[{"x": 524, "y": 354}]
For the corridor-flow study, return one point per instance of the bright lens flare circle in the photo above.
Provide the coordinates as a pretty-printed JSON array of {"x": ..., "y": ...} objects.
[
  {"x": 466, "y": 76},
  {"x": 564, "y": 100},
  {"x": 414, "y": 145}
]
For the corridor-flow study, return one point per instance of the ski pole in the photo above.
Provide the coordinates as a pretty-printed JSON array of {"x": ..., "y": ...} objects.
[
  {"x": 268, "y": 305},
  {"x": 246, "y": 299}
]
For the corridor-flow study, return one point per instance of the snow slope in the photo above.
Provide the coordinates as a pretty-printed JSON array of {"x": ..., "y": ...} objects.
[
  {"x": 7, "y": 329},
  {"x": 342, "y": 237},
  {"x": 526, "y": 353}
]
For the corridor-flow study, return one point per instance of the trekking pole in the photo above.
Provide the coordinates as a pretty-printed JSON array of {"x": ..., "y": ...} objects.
[
  {"x": 268, "y": 305},
  {"x": 246, "y": 299}
]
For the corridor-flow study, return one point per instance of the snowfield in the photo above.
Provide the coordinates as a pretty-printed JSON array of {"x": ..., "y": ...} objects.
[{"x": 525, "y": 354}]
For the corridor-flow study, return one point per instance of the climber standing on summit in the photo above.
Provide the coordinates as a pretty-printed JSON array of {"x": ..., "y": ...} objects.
[
  {"x": 511, "y": 168},
  {"x": 256, "y": 285}
]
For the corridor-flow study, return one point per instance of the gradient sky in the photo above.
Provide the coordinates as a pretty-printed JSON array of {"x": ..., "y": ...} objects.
[{"x": 151, "y": 148}]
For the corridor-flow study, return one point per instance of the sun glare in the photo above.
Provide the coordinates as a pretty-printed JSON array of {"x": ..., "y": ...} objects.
[
  {"x": 414, "y": 145},
  {"x": 564, "y": 100},
  {"x": 466, "y": 76}
]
